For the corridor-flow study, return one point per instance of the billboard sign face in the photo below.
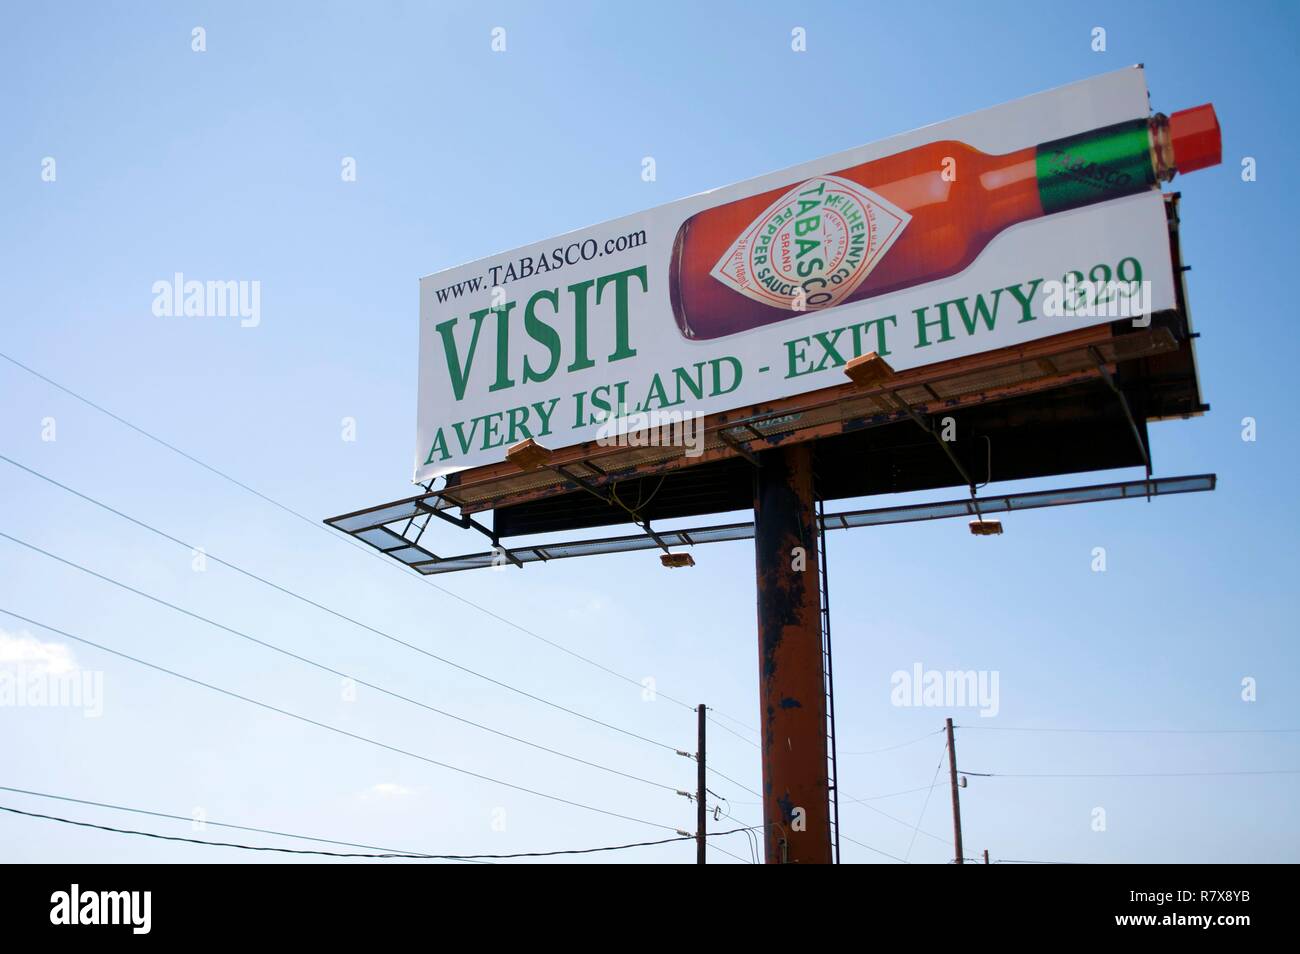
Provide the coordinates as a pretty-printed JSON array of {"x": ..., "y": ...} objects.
[{"x": 1008, "y": 225}]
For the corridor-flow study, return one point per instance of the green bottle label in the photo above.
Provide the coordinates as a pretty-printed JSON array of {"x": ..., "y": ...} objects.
[{"x": 1095, "y": 166}]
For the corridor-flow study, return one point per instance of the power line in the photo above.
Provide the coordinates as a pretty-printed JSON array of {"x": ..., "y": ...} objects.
[
  {"x": 860, "y": 844},
  {"x": 324, "y": 668},
  {"x": 1019, "y": 728},
  {"x": 905, "y": 824},
  {"x": 921, "y": 817},
  {"x": 859, "y": 801},
  {"x": 340, "y": 854},
  {"x": 1131, "y": 774},
  {"x": 727, "y": 778},
  {"x": 335, "y": 729},
  {"x": 726, "y": 728},
  {"x": 344, "y": 539},
  {"x": 215, "y": 824},
  {"x": 284, "y": 507},
  {"x": 227, "y": 844},
  {"x": 358, "y": 680},
  {"x": 734, "y": 721},
  {"x": 751, "y": 840},
  {"x": 249, "y": 574},
  {"x": 1017, "y": 861},
  {"x": 729, "y": 853},
  {"x": 900, "y": 745},
  {"x": 378, "y": 632},
  {"x": 906, "y": 791},
  {"x": 998, "y": 728}
]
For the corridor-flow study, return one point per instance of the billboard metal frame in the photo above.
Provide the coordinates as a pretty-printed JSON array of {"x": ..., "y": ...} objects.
[{"x": 416, "y": 512}]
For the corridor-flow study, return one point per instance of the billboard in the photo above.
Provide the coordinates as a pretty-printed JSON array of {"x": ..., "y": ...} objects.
[{"x": 998, "y": 228}]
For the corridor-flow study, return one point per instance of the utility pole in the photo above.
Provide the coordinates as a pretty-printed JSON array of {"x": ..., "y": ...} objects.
[
  {"x": 701, "y": 810},
  {"x": 956, "y": 801},
  {"x": 986, "y": 856}
]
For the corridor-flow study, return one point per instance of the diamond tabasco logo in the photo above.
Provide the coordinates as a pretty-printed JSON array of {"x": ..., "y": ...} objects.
[
  {"x": 830, "y": 239},
  {"x": 818, "y": 241}
]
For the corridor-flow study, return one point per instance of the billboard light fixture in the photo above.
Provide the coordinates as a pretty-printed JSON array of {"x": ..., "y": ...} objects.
[
  {"x": 528, "y": 455},
  {"x": 673, "y": 560},
  {"x": 986, "y": 528},
  {"x": 869, "y": 370}
]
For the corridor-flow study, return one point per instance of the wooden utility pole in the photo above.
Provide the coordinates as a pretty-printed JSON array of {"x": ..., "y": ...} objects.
[
  {"x": 986, "y": 856},
  {"x": 956, "y": 800},
  {"x": 701, "y": 810}
]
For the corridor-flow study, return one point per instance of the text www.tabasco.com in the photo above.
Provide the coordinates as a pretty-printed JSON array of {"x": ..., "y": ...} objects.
[{"x": 549, "y": 261}]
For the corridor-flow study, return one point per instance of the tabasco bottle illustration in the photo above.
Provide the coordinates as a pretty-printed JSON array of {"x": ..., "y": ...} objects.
[{"x": 906, "y": 219}]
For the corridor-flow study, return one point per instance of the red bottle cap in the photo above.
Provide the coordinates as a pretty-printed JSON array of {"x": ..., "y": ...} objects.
[{"x": 1194, "y": 135}]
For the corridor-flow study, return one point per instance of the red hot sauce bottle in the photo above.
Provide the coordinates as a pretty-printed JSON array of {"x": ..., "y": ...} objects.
[{"x": 906, "y": 219}]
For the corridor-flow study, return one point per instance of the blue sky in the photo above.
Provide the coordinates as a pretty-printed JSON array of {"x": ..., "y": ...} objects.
[{"x": 225, "y": 164}]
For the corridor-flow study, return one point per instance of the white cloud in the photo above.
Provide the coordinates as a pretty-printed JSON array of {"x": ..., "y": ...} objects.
[{"x": 24, "y": 649}]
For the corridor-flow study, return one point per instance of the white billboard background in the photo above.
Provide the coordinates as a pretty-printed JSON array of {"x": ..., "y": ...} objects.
[{"x": 476, "y": 427}]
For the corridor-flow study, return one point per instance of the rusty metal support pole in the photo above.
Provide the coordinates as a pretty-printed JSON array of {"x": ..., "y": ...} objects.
[{"x": 792, "y": 687}]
